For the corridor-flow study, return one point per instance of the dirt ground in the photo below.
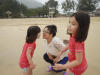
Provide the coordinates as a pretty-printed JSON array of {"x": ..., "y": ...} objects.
[{"x": 12, "y": 38}]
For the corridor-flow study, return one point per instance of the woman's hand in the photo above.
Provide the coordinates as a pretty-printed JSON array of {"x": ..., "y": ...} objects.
[{"x": 59, "y": 67}]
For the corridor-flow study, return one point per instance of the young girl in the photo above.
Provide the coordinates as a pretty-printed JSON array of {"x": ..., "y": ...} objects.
[
  {"x": 26, "y": 63},
  {"x": 78, "y": 29}
]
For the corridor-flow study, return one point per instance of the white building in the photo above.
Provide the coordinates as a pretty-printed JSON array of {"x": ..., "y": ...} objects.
[
  {"x": 97, "y": 12},
  {"x": 51, "y": 12}
]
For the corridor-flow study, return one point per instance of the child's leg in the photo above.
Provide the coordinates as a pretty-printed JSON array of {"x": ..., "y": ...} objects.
[
  {"x": 30, "y": 71},
  {"x": 27, "y": 71}
]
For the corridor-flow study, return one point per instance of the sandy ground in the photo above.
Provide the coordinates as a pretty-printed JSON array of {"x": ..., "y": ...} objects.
[{"x": 12, "y": 37}]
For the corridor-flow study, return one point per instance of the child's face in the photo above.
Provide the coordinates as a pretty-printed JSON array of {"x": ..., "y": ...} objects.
[
  {"x": 73, "y": 26},
  {"x": 38, "y": 36}
]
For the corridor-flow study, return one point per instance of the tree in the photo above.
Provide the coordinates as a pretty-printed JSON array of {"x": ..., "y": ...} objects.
[
  {"x": 45, "y": 10},
  {"x": 87, "y": 5},
  {"x": 10, "y": 5},
  {"x": 19, "y": 10},
  {"x": 68, "y": 5},
  {"x": 52, "y": 4}
]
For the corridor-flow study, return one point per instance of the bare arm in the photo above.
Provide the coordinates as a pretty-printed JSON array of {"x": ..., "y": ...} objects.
[
  {"x": 63, "y": 50},
  {"x": 74, "y": 63},
  {"x": 60, "y": 53},
  {"x": 29, "y": 58}
]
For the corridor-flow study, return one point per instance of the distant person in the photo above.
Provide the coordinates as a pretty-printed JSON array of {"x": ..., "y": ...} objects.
[
  {"x": 53, "y": 46},
  {"x": 26, "y": 63},
  {"x": 78, "y": 30}
]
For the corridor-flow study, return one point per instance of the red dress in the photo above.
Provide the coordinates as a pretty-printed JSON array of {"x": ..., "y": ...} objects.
[
  {"x": 23, "y": 58},
  {"x": 73, "y": 48}
]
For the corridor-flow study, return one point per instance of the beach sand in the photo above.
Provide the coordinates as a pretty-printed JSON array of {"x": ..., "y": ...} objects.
[{"x": 12, "y": 38}]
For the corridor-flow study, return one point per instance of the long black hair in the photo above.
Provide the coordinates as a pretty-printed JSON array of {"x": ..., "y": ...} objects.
[
  {"x": 52, "y": 29},
  {"x": 83, "y": 20},
  {"x": 32, "y": 33}
]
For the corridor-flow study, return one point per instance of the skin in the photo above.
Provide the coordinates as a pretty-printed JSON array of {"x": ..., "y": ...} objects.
[
  {"x": 38, "y": 36},
  {"x": 48, "y": 37},
  {"x": 28, "y": 72},
  {"x": 32, "y": 65},
  {"x": 72, "y": 29}
]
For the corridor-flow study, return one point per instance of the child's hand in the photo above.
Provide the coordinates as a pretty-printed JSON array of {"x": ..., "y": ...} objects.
[
  {"x": 58, "y": 67},
  {"x": 32, "y": 66}
]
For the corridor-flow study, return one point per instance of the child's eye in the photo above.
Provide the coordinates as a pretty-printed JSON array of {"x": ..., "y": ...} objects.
[{"x": 73, "y": 24}]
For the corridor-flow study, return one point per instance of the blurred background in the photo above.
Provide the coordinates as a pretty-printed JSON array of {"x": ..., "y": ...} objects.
[
  {"x": 47, "y": 8},
  {"x": 17, "y": 15}
]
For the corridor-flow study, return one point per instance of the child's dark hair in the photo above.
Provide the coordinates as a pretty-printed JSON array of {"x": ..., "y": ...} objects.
[
  {"x": 32, "y": 33},
  {"x": 83, "y": 20},
  {"x": 52, "y": 29}
]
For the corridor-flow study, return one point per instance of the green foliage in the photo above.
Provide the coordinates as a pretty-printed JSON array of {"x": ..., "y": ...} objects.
[
  {"x": 87, "y": 5},
  {"x": 37, "y": 12},
  {"x": 81, "y": 5},
  {"x": 68, "y": 5},
  {"x": 18, "y": 9},
  {"x": 12, "y": 6},
  {"x": 52, "y": 3}
]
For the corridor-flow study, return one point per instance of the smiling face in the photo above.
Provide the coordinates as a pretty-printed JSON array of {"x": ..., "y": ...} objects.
[
  {"x": 73, "y": 26},
  {"x": 46, "y": 33}
]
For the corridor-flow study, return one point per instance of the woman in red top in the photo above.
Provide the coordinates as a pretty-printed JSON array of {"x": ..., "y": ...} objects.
[
  {"x": 26, "y": 63},
  {"x": 78, "y": 29}
]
